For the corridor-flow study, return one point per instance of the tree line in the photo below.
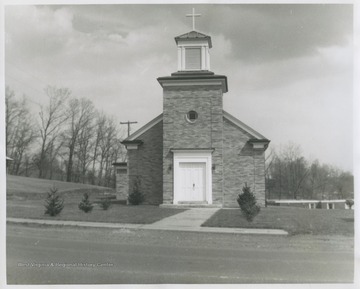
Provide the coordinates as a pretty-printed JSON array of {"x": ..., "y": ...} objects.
[
  {"x": 68, "y": 139},
  {"x": 290, "y": 176}
]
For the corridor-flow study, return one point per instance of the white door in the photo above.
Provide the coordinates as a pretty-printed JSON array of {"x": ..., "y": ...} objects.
[{"x": 192, "y": 182}]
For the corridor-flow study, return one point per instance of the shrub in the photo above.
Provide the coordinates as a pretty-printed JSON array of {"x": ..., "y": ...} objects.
[
  {"x": 53, "y": 203},
  {"x": 105, "y": 203},
  {"x": 136, "y": 197},
  {"x": 350, "y": 203},
  {"x": 85, "y": 204},
  {"x": 318, "y": 205},
  {"x": 247, "y": 203}
]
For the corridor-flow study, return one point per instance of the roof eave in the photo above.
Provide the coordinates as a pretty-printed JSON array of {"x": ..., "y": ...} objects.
[
  {"x": 193, "y": 77},
  {"x": 138, "y": 142},
  {"x": 187, "y": 37}
]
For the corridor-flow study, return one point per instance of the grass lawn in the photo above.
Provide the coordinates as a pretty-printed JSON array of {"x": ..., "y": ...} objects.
[
  {"x": 23, "y": 186},
  {"x": 117, "y": 213},
  {"x": 25, "y": 199},
  {"x": 293, "y": 220}
]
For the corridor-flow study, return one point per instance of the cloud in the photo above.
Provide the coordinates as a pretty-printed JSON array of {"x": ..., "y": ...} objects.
[
  {"x": 37, "y": 31},
  {"x": 289, "y": 67},
  {"x": 263, "y": 33}
]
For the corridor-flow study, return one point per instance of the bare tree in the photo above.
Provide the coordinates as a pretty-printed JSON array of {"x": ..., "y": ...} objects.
[
  {"x": 341, "y": 183},
  {"x": 76, "y": 143},
  {"x": 107, "y": 141},
  {"x": 117, "y": 153},
  {"x": 81, "y": 112},
  {"x": 51, "y": 119},
  {"x": 19, "y": 129},
  {"x": 85, "y": 147},
  {"x": 24, "y": 138},
  {"x": 11, "y": 114},
  {"x": 289, "y": 172},
  {"x": 100, "y": 125},
  {"x": 313, "y": 177}
]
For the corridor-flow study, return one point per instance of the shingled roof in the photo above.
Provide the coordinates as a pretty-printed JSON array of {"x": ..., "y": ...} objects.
[{"x": 193, "y": 35}]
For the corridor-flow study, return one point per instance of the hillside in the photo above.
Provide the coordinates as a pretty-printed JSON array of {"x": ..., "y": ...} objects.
[{"x": 16, "y": 185}]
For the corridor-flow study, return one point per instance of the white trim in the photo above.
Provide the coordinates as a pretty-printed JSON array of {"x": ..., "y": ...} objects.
[
  {"x": 182, "y": 57},
  {"x": 257, "y": 145},
  {"x": 203, "y": 45},
  {"x": 194, "y": 43},
  {"x": 132, "y": 146},
  {"x": 217, "y": 80},
  {"x": 187, "y": 82},
  {"x": 203, "y": 59},
  {"x": 144, "y": 128},
  {"x": 305, "y": 201},
  {"x": 207, "y": 57},
  {"x": 191, "y": 151},
  {"x": 193, "y": 156},
  {"x": 242, "y": 125},
  {"x": 179, "y": 57}
]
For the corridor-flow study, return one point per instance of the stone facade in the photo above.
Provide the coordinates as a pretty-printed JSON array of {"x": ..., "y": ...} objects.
[
  {"x": 122, "y": 181},
  {"x": 234, "y": 160},
  {"x": 205, "y": 133},
  {"x": 242, "y": 164},
  {"x": 145, "y": 164}
]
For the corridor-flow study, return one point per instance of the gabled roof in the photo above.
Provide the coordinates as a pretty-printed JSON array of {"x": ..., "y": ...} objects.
[
  {"x": 254, "y": 134},
  {"x": 193, "y": 35},
  {"x": 143, "y": 129},
  {"x": 243, "y": 126}
]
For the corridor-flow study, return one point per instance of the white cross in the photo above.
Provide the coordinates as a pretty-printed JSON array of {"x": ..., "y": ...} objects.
[{"x": 193, "y": 15}]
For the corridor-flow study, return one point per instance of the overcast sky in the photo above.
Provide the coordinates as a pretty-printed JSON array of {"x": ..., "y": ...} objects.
[{"x": 289, "y": 67}]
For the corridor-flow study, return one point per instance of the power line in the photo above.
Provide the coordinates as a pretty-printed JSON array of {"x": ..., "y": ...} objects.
[
  {"x": 26, "y": 85},
  {"x": 24, "y": 71}
]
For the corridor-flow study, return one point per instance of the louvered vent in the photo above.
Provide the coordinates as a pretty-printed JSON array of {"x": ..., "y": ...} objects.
[{"x": 193, "y": 58}]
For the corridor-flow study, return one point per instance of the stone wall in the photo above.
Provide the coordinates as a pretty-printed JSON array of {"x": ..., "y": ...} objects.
[
  {"x": 145, "y": 163},
  {"x": 205, "y": 133},
  {"x": 242, "y": 164},
  {"x": 122, "y": 181}
]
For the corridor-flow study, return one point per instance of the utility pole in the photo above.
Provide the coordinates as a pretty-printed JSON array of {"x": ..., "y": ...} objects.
[{"x": 128, "y": 124}]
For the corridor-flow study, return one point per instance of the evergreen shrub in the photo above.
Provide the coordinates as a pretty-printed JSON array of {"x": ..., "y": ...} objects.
[
  {"x": 350, "y": 203},
  {"x": 105, "y": 203},
  {"x": 136, "y": 197},
  {"x": 247, "y": 203},
  {"x": 53, "y": 203},
  {"x": 85, "y": 204}
]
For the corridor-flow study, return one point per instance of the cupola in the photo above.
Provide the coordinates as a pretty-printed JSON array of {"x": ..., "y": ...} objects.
[{"x": 193, "y": 49}]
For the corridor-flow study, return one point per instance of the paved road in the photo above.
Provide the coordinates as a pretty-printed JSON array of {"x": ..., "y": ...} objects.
[{"x": 63, "y": 255}]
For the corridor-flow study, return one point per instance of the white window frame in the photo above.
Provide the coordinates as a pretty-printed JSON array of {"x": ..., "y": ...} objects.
[{"x": 205, "y": 55}]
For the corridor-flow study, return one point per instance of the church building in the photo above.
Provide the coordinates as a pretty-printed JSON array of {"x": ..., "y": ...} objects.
[{"x": 194, "y": 153}]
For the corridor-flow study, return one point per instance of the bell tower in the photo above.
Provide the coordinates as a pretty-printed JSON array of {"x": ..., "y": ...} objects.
[{"x": 193, "y": 124}]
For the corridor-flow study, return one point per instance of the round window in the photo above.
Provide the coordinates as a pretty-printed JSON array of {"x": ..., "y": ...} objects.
[{"x": 192, "y": 116}]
